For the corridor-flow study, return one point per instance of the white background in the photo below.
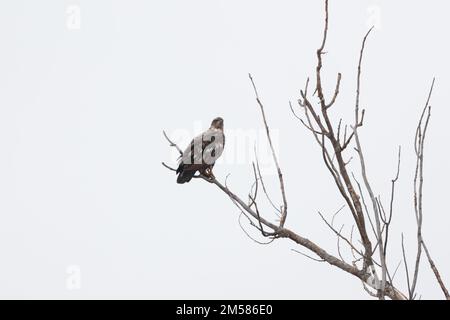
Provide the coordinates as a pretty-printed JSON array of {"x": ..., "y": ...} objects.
[{"x": 81, "y": 119}]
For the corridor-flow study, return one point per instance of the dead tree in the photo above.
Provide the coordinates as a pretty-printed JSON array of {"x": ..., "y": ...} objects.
[{"x": 371, "y": 219}]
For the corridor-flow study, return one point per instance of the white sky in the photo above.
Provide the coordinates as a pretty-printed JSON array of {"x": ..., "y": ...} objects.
[{"x": 81, "y": 119}]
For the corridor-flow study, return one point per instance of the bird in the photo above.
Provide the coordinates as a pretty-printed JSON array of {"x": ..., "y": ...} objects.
[{"x": 202, "y": 153}]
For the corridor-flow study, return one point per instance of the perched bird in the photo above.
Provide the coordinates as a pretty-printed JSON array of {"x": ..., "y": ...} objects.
[{"x": 202, "y": 153}]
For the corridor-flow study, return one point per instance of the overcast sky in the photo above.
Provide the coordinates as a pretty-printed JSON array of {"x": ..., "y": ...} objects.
[{"x": 86, "y": 88}]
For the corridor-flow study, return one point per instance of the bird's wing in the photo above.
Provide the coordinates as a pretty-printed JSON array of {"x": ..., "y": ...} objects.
[
  {"x": 194, "y": 152},
  {"x": 215, "y": 145},
  {"x": 205, "y": 148}
]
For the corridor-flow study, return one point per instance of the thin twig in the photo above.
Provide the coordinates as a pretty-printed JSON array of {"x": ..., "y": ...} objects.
[
  {"x": 263, "y": 185},
  {"x": 275, "y": 159},
  {"x": 338, "y": 233},
  {"x": 406, "y": 268},
  {"x": 172, "y": 144},
  {"x": 248, "y": 235},
  {"x": 391, "y": 203},
  {"x": 168, "y": 167},
  {"x": 336, "y": 91},
  {"x": 308, "y": 256},
  {"x": 364, "y": 173}
]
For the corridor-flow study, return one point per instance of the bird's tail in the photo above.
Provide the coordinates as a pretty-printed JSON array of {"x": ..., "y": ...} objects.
[{"x": 184, "y": 176}]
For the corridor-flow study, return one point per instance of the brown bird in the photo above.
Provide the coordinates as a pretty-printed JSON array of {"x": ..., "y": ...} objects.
[{"x": 202, "y": 153}]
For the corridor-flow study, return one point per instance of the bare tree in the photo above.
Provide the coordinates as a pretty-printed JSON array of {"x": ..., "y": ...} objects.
[{"x": 372, "y": 221}]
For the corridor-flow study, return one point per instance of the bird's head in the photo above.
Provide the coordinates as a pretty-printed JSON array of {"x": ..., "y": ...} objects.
[{"x": 217, "y": 123}]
